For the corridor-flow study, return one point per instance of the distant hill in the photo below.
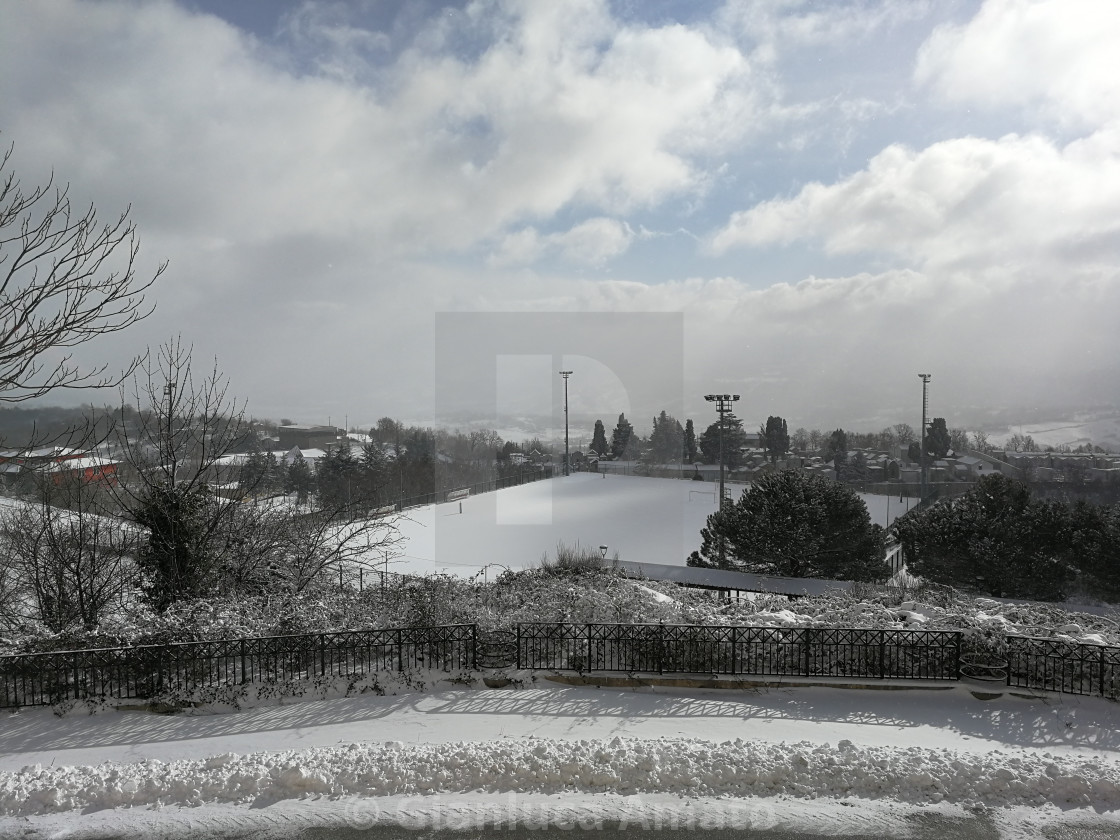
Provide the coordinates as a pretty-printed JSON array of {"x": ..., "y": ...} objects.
[{"x": 1099, "y": 427}]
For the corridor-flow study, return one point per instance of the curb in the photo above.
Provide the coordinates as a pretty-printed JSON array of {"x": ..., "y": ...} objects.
[{"x": 644, "y": 680}]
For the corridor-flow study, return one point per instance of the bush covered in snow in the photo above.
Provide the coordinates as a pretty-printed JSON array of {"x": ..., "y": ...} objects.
[{"x": 597, "y": 595}]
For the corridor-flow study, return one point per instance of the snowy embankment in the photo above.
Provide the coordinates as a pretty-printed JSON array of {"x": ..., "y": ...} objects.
[{"x": 629, "y": 766}]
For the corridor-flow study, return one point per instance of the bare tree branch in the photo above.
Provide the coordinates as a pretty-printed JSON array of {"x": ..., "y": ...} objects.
[{"x": 65, "y": 279}]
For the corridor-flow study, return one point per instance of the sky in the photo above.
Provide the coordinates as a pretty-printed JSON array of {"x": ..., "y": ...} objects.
[{"x": 813, "y": 202}]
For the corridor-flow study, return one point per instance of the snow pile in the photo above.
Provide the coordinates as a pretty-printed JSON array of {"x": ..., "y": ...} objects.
[
  {"x": 629, "y": 766},
  {"x": 781, "y": 618}
]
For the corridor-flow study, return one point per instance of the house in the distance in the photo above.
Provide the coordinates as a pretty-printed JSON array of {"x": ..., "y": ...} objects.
[
  {"x": 60, "y": 463},
  {"x": 307, "y": 437}
]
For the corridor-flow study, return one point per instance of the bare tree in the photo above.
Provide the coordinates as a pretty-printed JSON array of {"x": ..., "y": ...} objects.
[
  {"x": 65, "y": 278},
  {"x": 67, "y": 563},
  {"x": 175, "y": 449},
  {"x": 207, "y": 534}
]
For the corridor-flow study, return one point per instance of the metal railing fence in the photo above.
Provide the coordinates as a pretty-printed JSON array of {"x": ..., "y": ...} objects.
[
  {"x": 738, "y": 650},
  {"x": 1068, "y": 667},
  {"x": 144, "y": 672}
]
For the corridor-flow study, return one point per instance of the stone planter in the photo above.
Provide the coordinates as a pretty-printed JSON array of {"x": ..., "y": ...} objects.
[{"x": 985, "y": 677}]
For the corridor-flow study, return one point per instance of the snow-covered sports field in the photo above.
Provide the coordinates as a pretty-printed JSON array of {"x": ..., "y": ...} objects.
[{"x": 650, "y": 520}]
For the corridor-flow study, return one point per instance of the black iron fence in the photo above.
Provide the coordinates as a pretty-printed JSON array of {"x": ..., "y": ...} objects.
[
  {"x": 1070, "y": 667},
  {"x": 746, "y": 651},
  {"x": 144, "y": 672}
]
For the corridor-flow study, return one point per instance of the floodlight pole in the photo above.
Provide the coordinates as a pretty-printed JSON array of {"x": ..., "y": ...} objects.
[
  {"x": 925, "y": 377},
  {"x": 723, "y": 406},
  {"x": 566, "y": 374}
]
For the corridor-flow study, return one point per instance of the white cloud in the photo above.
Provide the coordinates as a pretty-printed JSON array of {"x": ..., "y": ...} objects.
[
  {"x": 592, "y": 242},
  {"x": 981, "y": 202},
  {"x": 779, "y": 26},
  {"x": 1056, "y": 55},
  {"x": 198, "y": 124}
]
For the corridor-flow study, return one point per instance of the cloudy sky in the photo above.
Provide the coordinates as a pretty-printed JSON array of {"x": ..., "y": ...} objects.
[{"x": 834, "y": 196}]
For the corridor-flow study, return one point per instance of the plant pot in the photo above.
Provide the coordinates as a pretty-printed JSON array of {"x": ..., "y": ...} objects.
[{"x": 988, "y": 676}]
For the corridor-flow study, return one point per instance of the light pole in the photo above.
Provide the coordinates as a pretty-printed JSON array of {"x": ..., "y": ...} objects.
[
  {"x": 566, "y": 374},
  {"x": 723, "y": 406},
  {"x": 925, "y": 377}
]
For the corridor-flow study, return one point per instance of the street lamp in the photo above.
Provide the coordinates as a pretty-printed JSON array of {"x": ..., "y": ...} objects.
[
  {"x": 723, "y": 406},
  {"x": 603, "y": 551},
  {"x": 566, "y": 374},
  {"x": 925, "y": 377}
]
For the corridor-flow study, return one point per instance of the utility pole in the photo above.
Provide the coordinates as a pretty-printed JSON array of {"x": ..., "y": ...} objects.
[
  {"x": 723, "y": 406},
  {"x": 566, "y": 374},
  {"x": 925, "y": 377},
  {"x": 169, "y": 390}
]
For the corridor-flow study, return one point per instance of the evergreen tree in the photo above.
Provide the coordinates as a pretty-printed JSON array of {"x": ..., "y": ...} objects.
[
  {"x": 666, "y": 442},
  {"x": 373, "y": 475},
  {"x": 338, "y": 480},
  {"x": 620, "y": 437},
  {"x": 796, "y": 524},
  {"x": 775, "y": 436},
  {"x": 836, "y": 451},
  {"x": 998, "y": 539},
  {"x": 599, "y": 439},
  {"x": 177, "y": 560},
  {"x": 689, "y": 442},
  {"x": 855, "y": 470},
  {"x": 734, "y": 441},
  {"x": 299, "y": 480},
  {"x": 938, "y": 441}
]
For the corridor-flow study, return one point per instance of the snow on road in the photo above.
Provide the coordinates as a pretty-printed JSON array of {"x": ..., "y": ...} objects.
[{"x": 546, "y": 743}]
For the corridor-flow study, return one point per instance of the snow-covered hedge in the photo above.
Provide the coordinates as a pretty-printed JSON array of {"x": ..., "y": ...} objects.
[{"x": 598, "y": 596}]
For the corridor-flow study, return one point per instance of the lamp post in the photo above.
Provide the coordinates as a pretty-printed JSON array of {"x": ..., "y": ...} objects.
[
  {"x": 566, "y": 374},
  {"x": 925, "y": 377},
  {"x": 723, "y": 406}
]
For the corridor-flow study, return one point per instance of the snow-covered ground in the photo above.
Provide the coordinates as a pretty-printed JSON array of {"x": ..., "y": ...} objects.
[
  {"x": 849, "y": 761},
  {"x": 647, "y": 520}
]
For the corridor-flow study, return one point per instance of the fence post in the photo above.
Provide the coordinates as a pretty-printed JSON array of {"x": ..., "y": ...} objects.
[
  {"x": 400, "y": 650},
  {"x": 588, "y": 647},
  {"x": 519, "y": 646},
  {"x": 808, "y": 639},
  {"x": 75, "y": 660},
  {"x": 241, "y": 645},
  {"x": 734, "y": 648},
  {"x": 474, "y": 647},
  {"x": 322, "y": 654},
  {"x": 661, "y": 647},
  {"x": 1100, "y": 658},
  {"x": 882, "y": 654}
]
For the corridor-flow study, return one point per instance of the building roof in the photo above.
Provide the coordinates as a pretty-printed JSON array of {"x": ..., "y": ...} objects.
[{"x": 87, "y": 463}]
